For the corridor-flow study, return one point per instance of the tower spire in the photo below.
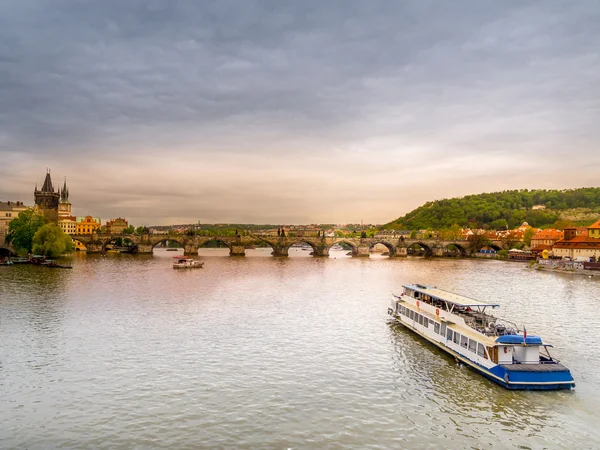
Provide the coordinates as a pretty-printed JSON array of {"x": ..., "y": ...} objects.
[
  {"x": 47, "y": 187},
  {"x": 64, "y": 194}
]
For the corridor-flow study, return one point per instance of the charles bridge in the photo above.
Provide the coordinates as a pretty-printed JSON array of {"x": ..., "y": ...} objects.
[{"x": 396, "y": 246}]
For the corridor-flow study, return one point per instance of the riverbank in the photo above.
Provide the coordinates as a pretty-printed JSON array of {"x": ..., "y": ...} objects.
[{"x": 559, "y": 266}]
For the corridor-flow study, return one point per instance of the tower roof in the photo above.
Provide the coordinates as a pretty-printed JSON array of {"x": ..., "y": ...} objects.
[
  {"x": 64, "y": 194},
  {"x": 47, "y": 187}
]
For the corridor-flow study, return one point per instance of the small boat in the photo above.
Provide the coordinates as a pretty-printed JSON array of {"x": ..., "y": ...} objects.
[
  {"x": 494, "y": 347},
  {"x": 20, "y": 261},
  {"x": 181, "y": 262},
  {"x": 172, "y": 249},
  {"x": 54, "y": 265}
]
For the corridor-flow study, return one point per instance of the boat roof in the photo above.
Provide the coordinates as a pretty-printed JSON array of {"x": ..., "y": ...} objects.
[
  {"x": 449, "y": 297},
  {"x": 519, "y": 339}
]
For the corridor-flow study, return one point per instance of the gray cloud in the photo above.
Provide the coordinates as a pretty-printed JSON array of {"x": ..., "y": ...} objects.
[{"x": 271, "y": 111}]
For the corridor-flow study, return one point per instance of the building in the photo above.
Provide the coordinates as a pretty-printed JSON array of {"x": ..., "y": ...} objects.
[
  {"x": 68, "y": 224},
  {"x": 8, "y": 212},
  {"x": 87, "y": 224},
  {"x": 578, "y": 244},
  {"x": 64, "y": 205},
  {"x": 545, "y": 239},
  {"x": 46, "y": 200},
  {"x": 116, "y": 226}
]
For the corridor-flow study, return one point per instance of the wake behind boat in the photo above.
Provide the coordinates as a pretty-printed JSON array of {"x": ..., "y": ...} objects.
[{"x": 492, "y": 346}]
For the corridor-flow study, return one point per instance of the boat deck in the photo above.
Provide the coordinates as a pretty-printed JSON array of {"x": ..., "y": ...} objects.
[{"x": 534, "y": 367}]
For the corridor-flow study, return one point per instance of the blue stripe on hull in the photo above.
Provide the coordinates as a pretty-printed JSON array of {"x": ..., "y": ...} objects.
[{"x": 524, "y": 380}]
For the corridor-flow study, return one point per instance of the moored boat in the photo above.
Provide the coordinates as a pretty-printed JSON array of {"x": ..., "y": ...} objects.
[
  {"x": 181, "y": 262},
  {"x": 492, "y": 346}
]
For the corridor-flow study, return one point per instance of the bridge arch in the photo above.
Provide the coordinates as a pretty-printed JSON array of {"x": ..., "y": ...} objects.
[
  {"x": 455, "y": 248},
  {"x": 119, "y": 241},
  {"x": 390, "y": 247},
  {"x": 256, "y": 243},
  {"x": 179, "y": 241},
  {"x": 296, "y": 242},
  {"x": 211, "y": 242},
  {"x": 5, "y": 252},
  {"x": 417, "y": 247},
  {"x": 488, "y": 246},
  {"x": 79, "y": 245},
  {"x": 347, "y": 242}
]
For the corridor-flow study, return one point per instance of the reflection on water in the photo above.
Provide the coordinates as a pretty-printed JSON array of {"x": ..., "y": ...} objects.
[{"x": 259, "y": 352}]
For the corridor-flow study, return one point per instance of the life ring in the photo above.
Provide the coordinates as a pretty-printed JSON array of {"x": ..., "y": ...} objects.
[
  {"x": 437, "y": 311},
  {"x": 418, "y": 303}
]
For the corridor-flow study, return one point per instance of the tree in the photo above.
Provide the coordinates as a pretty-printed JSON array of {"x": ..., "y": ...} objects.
[
  {"x": 561, "y": 224},
  {"x": 22, "y": 229},
  {"x": 527, "y": 235},
  {"x": 499, "y": 224},
  {"x": 141, "y": 230},
  {"x": 51, "y": 240},
  {"x": 478, "y": 241},
  {"x": 129, "y": 230}
]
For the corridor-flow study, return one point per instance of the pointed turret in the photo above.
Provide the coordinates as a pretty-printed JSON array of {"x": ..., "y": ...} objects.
[
  {"x": 64, "y": 194},
  {"x": 46, "y": 200},
  {"x": 47, "y": 187}
]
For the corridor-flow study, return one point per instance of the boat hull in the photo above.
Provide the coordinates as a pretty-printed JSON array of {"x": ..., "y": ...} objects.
[{"x": 519, "y": 377}]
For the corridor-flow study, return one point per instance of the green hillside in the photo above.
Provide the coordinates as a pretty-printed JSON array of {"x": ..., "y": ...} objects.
[{"x": 507, "y": 209}]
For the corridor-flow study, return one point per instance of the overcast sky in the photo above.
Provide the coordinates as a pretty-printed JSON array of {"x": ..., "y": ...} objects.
[{"x": 295, "y": 111}]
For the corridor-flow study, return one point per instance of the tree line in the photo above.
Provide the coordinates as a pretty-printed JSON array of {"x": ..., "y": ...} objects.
[{"x": 498, "y": 210}]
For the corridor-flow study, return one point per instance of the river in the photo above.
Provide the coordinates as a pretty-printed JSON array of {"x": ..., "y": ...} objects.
[{"x": 122, "y": 351}]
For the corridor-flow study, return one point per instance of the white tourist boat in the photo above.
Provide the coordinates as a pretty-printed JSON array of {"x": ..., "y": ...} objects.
[
  {"x": 492, "y": 346},
  {"x": 181, "y": 262}
]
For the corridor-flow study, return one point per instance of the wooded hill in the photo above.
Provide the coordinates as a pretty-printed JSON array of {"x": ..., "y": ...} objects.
[{"x": 505, "y": 210}]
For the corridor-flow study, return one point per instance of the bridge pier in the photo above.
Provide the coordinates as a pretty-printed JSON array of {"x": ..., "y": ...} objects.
[
  {"x": 94, "y": 247},
  {"x": 401, "y": 252},
  {"x": 362, "y": 251},
  {"x": 280, "y": 250},
  {"x": 237, "y": 250},
  {"x": 321, "y": 250},
  {"x": 190, "y": 249},
  {"x": 437, "y": 251},
  {"x": 144, "y": 248}
]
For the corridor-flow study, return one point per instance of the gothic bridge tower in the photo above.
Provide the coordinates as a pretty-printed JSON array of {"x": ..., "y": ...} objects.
[
  {"x": 46, "y": 200},
  {"x": 64, "y": 205}
]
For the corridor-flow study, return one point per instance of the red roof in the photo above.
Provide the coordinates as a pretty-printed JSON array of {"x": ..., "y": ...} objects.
[
  {"x": 580, "y": 241},
  {"x": 548, "y": 234},
  {"x": 595, "y": 224}
]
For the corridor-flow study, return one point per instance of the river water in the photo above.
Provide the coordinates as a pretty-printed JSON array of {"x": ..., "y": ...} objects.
[{"x": 260, "y": 352}]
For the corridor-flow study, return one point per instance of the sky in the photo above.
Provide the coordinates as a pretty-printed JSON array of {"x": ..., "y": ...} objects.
[{"x": 289, "y": 112}]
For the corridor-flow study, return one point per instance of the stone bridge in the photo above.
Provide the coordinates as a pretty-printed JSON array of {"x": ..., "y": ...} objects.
[{"x": 98, "y": 243}]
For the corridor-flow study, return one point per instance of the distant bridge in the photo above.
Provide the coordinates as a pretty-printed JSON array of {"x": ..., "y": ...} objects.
[{"x": 99, "y": 243}]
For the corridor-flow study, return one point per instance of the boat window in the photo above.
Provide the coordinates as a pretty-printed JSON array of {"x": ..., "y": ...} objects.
[
  {"x": 464, "y": 341},
  {"x": 425, "y": 322},
  {"x": 420, "y": 319},
  {"x": 443, "y": 330},
  {"x": 472, "y": 345},
  {"x": 449, "y": 334},
  {"x": 398, "y": 308},
  {"x": 436, "y": 328},
  {"x": 411, "y": 314},
  {"x": 456, "y": 339},
  {"x": 480, "y": 350}
]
